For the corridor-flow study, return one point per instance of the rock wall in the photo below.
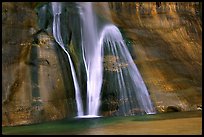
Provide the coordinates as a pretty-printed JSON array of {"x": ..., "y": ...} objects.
[{"x": 36, "y": 80}]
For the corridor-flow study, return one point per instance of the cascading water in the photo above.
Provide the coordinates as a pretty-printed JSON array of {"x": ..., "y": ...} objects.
[
  {"x": 95, "y": 43},
  {"x": 92, "y": 55},
  {"x": 56, "y": 8},
  {"x": 133, "y": 93}
]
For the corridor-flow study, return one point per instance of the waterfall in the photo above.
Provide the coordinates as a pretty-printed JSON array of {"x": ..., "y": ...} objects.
[
  {"x": 128, "y": 79},
  {"x": 95, "y": 44},
  {"x": 92, "y": 55},
  {"x": 132, "y": 90},
  {"x": 56, "y": 8}
]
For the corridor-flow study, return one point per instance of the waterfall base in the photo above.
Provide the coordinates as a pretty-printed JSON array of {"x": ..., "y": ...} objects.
[
  {"x": 88, "y": 116},
  {"x": 151, "y": 113}
]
